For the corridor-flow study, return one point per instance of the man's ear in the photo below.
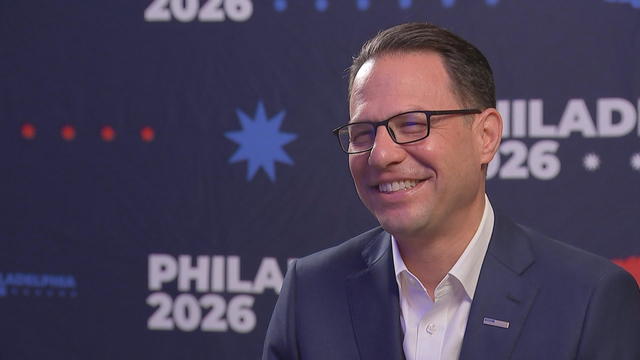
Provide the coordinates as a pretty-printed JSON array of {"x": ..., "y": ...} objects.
[{"x": 490, "y": 128}]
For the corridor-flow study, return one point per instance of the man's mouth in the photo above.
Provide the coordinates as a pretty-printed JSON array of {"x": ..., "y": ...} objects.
[{"x": 397, "y": 186}]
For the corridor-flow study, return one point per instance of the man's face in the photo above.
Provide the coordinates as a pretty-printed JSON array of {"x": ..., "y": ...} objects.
[{"x": 423, "y": 187}]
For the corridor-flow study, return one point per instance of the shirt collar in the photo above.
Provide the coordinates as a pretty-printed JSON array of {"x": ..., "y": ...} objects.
[
  {"x": 398, "y": 263},
  {"x": 467, "y": 268}
]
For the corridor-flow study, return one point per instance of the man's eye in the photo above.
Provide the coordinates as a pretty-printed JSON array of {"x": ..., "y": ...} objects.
[
  {"x": 358, "y": 136},
  {"x": 411, "y": 126}
]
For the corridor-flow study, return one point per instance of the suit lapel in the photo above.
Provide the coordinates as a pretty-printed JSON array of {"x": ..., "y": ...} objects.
[
  {"x": 501, "y": 294},
  {"x": 373, "y": 303}
]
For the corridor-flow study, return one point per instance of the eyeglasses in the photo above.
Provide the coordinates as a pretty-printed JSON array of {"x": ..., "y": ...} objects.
[{"x": 405, "y": 128}]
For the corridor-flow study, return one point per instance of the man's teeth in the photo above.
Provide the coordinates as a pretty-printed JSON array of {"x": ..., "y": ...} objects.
[{"x": 397, "y": 185}]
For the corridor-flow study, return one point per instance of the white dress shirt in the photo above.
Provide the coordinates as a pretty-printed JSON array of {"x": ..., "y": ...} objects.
[{"x": 434, "y": 328}]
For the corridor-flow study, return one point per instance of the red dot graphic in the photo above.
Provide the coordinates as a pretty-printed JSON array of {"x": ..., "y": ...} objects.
[
  {"x": 107, "y": 133},
  {"x": 28, "y": 131},
  {"x": 68, "y": 132},
  {"x": 147, "y": 134}
]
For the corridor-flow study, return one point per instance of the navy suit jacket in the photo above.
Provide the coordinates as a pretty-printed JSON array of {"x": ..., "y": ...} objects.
[{"x": 560, "y": 302}]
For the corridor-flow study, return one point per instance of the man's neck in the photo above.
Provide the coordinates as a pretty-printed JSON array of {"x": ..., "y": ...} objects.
[{"x": 431, "y": 256}]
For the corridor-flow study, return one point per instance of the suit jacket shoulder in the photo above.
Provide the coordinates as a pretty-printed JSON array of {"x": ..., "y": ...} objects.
[
  {"x": 339, "y": 303},
  {"x": 548, "y": 292},
  {"x": 566, "y": 261},
  {"x": 343, "y": 259}
]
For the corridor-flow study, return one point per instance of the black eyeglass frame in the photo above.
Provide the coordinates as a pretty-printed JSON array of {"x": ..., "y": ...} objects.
[{"x": 385, "y": 123}]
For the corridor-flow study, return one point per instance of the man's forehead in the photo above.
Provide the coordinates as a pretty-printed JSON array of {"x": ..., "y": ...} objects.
[
  {"x": 399, "y": 82},
  {"x": 395, "y": 68}
]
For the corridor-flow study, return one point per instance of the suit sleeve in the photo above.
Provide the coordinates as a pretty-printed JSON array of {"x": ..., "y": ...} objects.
[
  {"x": 280, "y": 341},
  {"x": 612, "y": 323}
]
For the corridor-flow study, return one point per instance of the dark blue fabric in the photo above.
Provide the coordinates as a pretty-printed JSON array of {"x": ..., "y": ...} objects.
[{"x": 560, "y": 302}]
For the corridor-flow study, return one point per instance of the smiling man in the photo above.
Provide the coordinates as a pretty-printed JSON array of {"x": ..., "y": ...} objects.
[{"x": 444, "y": 277}]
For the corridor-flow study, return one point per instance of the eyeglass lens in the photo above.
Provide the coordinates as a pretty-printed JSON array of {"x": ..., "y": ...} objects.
[{"x": 402, "y": 128}]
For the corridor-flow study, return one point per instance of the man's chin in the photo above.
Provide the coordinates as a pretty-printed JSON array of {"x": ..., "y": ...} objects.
[{"x": 397, "y": 227}]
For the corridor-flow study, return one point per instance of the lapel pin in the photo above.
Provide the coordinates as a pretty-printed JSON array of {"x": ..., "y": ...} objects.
[{"x": 497, "y": 323}]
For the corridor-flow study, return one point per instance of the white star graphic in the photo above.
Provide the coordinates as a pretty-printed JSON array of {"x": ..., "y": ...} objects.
[
  {"x": 635, "y": 161},
  {"x": 591, "y": 161}
]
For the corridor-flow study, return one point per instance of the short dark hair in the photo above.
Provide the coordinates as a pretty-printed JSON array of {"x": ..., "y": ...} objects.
[{"x": 468, "y": 69}]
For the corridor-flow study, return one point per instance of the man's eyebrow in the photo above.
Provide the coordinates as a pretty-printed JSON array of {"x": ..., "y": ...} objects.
[{"x": 408, "y": 108}]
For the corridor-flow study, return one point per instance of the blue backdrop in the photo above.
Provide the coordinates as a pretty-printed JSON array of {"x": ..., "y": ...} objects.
[{"x": 162, "y": 159}]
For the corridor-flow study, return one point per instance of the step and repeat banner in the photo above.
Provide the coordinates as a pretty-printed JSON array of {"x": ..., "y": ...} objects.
[{"x": 162, "y": 160}]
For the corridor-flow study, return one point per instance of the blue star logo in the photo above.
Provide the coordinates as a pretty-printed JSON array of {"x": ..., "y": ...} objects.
[{"x": 261, "y": 142}]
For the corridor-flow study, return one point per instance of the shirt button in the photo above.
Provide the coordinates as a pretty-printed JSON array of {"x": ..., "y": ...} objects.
[{"x": 431, "y": 328}]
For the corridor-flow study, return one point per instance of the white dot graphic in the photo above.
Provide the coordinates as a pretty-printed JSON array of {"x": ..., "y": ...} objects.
[
  {"x": 591, "y": 161},
  {"x": 635, "y": 161}
]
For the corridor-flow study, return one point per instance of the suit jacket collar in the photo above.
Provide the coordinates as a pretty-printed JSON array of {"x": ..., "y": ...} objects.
[
  {"x": 374, "y": 304},
  {"x": 502, "y": 294}
]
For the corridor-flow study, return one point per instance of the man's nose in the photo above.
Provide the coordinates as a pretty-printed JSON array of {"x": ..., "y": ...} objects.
[{"x": 385, "y": 151}]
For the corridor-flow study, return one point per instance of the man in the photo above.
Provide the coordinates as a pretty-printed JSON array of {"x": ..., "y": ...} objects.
[{"x": 444, "y": 277}]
